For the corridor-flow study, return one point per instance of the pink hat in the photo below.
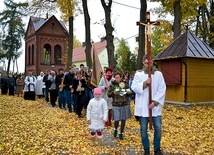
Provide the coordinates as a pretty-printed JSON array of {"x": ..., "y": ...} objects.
[{"x": 97, "y": 91}]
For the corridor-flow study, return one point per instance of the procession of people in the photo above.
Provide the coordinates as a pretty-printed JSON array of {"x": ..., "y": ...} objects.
[{"x": 106, "y": 105}]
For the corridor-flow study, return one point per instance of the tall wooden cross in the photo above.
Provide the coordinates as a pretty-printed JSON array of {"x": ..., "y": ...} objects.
[{"x": 148, "y": 25}]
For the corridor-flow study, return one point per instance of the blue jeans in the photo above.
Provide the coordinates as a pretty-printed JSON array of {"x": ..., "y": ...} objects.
[
  {"x": 61, "y": 98},
  {"x": 69, "y": 99},
  {"x": 46, "y": 94},
  {"x": 88, "y": 96},
  {"x": 156, "y": 121}
]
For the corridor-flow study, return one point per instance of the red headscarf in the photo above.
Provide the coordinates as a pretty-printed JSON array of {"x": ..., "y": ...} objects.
[
  {"x": 108, "y": 77},
  {"x": 109, "y": 69}
]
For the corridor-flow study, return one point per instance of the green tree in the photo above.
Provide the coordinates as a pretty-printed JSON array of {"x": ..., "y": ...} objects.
[
  {"x": 205, "y": 22},
  {"x": 127, "y": 61},
  {"x": 183, "y": 11},
  {"x": 2, "y": 52},
  {"x": 67, "y": 8},
  {"x": 161, "y": 37},
  {"x": 13, "y": 28},
  {"x": 77, "y": 43},
  {"x": 186, "y": 13}
]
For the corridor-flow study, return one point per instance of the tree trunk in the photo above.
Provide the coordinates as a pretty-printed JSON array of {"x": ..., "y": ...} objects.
[
  {"x": 176, "y": 28},
  {"x": 13, "y": 65},
  {"x": 17, "y": 66},
  {"x": 87, "y": 34},
  {"x": 197, "y": 21},
  {"x": 70, "y": 43},
  {"x": 8, "y": 65},
  {"x": 211, "y": 20},
  {"x": 109, "y": 36},
  {"x": 141, "y": 51},
  {"x": 204, "y": 24}
]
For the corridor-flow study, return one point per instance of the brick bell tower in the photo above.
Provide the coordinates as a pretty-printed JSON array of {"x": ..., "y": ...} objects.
[{"x": 46, "y": 43}]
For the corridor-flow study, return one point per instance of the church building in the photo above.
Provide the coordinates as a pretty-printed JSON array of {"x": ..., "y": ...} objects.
[{"x": 46, "y": 44}]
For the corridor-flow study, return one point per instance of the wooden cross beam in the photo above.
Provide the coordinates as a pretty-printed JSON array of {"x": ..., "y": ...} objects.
[{"x": 148, "y": 25}]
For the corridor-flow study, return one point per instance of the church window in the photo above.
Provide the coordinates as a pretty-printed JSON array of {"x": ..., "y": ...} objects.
[
  {"x": 57, "y": 55},
  {"x": 47, "y": 54}
]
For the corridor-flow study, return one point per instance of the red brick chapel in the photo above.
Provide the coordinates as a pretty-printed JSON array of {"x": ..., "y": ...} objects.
[{"x": 46, "y": 43}]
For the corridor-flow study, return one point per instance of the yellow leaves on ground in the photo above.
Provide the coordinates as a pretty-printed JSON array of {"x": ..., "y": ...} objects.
[
  {"x": 33, "y": 127},
  {"x": 188, "y": 130}
]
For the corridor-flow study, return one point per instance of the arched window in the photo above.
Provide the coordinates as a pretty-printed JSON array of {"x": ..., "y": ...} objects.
[
  {"x": 57, "y": 55},
  {"x": 28, "y": 57},
  {"x": 47, "y": 54},
  {"x": 32, "y": 54}
]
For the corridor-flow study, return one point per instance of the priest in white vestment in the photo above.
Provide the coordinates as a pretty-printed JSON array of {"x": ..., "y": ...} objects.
[
  {"x": 40, "y": 85},
  {"x": 29, "y": 89}
]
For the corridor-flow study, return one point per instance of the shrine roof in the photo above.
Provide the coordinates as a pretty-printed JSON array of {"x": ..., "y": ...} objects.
[{"x": 187, "y": 45}]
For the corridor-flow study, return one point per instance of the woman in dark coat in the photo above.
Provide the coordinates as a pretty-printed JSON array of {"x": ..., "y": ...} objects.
[
  {"x": 11, "y": 84},
  {"x": 79, "y": 86},
  {"x": 4, "y": 85}
]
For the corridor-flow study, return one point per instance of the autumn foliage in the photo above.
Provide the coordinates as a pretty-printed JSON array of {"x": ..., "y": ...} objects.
[{"x": 33, "y": 127}]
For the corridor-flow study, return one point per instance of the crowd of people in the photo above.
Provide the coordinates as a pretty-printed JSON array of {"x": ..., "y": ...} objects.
[{"x": 109, "y": 101}]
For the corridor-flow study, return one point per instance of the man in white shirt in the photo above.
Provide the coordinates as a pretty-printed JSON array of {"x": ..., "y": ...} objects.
[{"x": 140, "y": 87}]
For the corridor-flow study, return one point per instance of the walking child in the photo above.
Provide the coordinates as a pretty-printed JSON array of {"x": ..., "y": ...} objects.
[{"x": 97, "y": 115}]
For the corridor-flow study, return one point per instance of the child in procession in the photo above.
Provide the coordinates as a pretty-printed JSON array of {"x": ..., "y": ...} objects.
[{"x": 97, "y": 115}]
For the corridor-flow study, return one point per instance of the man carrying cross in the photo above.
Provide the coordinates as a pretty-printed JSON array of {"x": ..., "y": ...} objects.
[{"x": 150, "y": 89}]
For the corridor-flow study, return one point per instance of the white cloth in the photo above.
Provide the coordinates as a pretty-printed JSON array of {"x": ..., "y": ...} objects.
[
  {"x": 39, "y": 85},
  {"x": 142, "y": 95},
  {"x": 97, "y": 111},
  {"x": 102, "y": 85},
  {"x": 30, "y": 87}
]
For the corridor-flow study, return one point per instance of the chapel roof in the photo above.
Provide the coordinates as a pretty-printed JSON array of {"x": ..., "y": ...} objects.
[
  {"x": 38, "y": 22},
  {"x": 187, "y": 45}
]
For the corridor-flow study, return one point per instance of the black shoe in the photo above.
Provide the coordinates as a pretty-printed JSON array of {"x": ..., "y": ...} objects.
[
  {"x": 70, "y": 110},
  {"x": 121, "y": 136},
  {"x": 115, "y": 133},
  {"x": 158, "y": 152},
  {"x": 146, "y": 152},
  {"x": 79, "y": 116}
]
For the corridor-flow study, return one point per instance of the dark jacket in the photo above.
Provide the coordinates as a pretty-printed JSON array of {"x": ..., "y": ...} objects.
[
  {"x": 118, "y": 94},
  {"x": 58, "y": 80},
  {"x": 4, "y": 82},
  {"x": 69, "y": 80},
  {"x": 88, "y": 83},
  {"x": 11, "y": 82},
  {"x": 75, "y": 85},
  {"x": 46, "y": 81}
]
